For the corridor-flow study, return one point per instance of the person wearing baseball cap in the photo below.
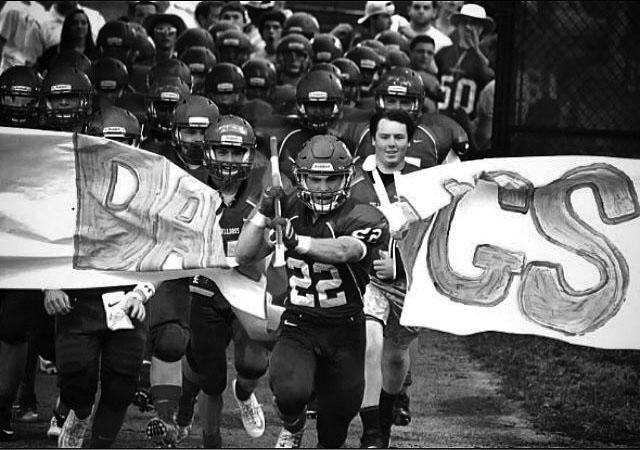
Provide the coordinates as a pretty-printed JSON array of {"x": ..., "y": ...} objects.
[{"x": 379, "y": 16}]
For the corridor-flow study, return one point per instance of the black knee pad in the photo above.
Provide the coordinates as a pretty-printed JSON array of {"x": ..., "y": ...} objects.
[
  {"x": 169, "y": 341},
  {"x": 251, "y": 372}
]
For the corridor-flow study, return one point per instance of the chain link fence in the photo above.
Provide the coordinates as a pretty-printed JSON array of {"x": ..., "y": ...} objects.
[{"x": 574, "y": 81}]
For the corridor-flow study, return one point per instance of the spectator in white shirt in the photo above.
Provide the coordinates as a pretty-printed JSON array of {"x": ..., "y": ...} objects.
[
  {"x": 15, "y": 19},
  {"x": 47, "y": 34},
  {"x": 421, "y": 17}
]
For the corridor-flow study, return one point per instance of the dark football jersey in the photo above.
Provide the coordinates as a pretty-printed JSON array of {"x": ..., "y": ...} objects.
[
  {"x": 463, "y": 74},
  {"x": 422, "y": 152},
  {"x": 332, "y": 291},
  {"x": 448, "y": 134}
]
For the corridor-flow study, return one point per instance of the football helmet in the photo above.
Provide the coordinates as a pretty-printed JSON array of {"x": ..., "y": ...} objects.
[
  {"x": 66, "y": 98},
  {"x": 323, "y": 170},
  {"x": 117, "y": 124},
  {"x": 116, "y": 40},
  {"x": 169, "y": 68},
  {"x": 397, "y": 58},
  {"x": 369, "y": 63},
  {"x": 393, "y": 39},
  {"x": 229, "y": 150},
  {"x": 319, "y": 99},
  {"x": 109, "y": 76},
  {"x": 225, "y": 85},
  {"x": 19, "y": 97},
  {"x": 194, "y": 37},
  {"x": 293, "y": 54},
  {"x": 234, "y": 47},
  {"x": 351, "y": 79},
  {"x": 162, "y": 98},
  {"x": 143, "y": 47},
  {"x": 200, "y": 61},
  {"x": 191, "y": 117},
  {"x": 326, "y": 48},
  {"x": 302, "y": 23},
  {"x": 261, "y": 78},
  {"x": 406, "y": 86}
]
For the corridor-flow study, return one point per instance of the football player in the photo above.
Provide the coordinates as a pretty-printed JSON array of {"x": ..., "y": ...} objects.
[
  {"x": 92, "y": 349},
  {"x": 236, "y": 171},
  {"x": 110, "y": 79},
  {"x": 200, "y": 61},
  {"x": 233, "y": 47},
  {"x": 319, "y": 101},
  {"x": 66, "y": 99},
  {"x": 161, "y": 100},
  {"x": 293, "y": 58},
  {"x": 302, "y": 23},
  {"x": 371, "y": 66},
  {"x": 330, "y": 240},
  {"x": 19, "y": 96},
  {"x": 326, "y": 48},
  {"x": 351, "y": 80},
  {"x": 161, "y": 376},
  {"x": 261, "y": 78}
]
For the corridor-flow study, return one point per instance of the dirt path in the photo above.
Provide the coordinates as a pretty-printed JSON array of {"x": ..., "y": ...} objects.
[{"x": 454, "y": 404}]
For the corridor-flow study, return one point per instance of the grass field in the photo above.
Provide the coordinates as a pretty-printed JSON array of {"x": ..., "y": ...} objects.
[{"x": 582, "y": 392}]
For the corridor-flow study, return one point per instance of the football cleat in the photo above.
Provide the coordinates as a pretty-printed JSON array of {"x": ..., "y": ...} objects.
[
  {"x": 251, "y": 412},
  {"x": 55, "y": 427},
  {"x": 164, "y": 433},
  {"x": 47, "y": 366},
  {"x": 287, "y": 439},
  {"x": 73, "y": 431},
  {"x": 401, "y": 412}
]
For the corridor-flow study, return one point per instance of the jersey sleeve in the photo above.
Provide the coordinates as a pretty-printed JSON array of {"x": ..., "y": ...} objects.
[{"x": 367, "y": 224}]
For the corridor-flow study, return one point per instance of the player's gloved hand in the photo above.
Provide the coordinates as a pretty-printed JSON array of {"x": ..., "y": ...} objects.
[
  {"x": 266, "y": 205},
  {"x": 289, "y": 235},
  {"x": 133, "y": 305},
  {"x": 56, "y": 302}
]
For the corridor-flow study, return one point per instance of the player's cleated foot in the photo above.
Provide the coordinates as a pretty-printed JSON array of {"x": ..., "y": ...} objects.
[
  {"x": 251, "y": 412},
  {"x": 26, "y": 414},
  {"x": 73, "y": 431},
  {"x": 55, "y": 427},
  {"x": 401, "y": 411},
  {"x": 47, "y": 366},
  {"x": 6, "y": 431},
  {"x": 183, "y": 433},
  {"x": 162, "y": 432},
  {"x": 287, "y": 439}
]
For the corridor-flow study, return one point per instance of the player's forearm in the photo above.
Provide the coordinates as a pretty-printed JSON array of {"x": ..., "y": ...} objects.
[{"x": 341, "y": 250}]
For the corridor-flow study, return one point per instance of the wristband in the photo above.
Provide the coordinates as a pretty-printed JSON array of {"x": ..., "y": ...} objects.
[
  {"x": 304, "y": 245},
  {"x": 146, "y": 291},
  {"x": 259, "y": 220}
]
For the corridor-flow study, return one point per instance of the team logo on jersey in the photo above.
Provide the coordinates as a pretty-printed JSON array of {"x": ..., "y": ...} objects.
[{"x": 368, "y": 234}]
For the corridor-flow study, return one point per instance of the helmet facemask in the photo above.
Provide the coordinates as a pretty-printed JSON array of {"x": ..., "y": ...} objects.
[
  {"x": 65, "y": 110},
  {"x": 322, "y": 201},
  {"x": 19, "y": 107},
  {"x": 189, "y": 146},
  {"x": 228, "y": 163},
  {"x": 408, "y": 103},
  {"x": 161, "y": 111},
  {"x": 319, "y": 115}
]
